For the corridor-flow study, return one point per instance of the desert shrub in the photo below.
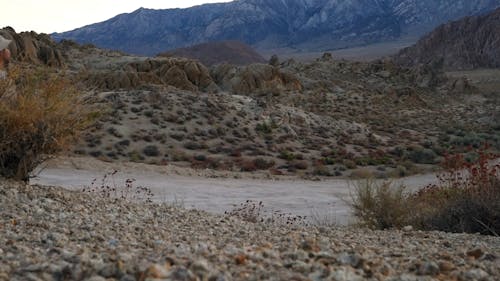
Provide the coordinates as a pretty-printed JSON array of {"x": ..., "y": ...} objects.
[
  {"x": 466, "y": 198},
  {"x": 263, "y": 164},
  {"x": 287, "y": 155},
  {"x": 321, "y": 170},
  {"x": 423, "y": 156},
  {"x": 300, "y": 165},
  {"x": 41, "y": 113},
  {"x": 349, "y": 164},
  {"x": 151, "y": 151},
  {"x": 379, "y": 205},
  {"x": 264, "y": 128},
  {"x": 362, "y": 173}
]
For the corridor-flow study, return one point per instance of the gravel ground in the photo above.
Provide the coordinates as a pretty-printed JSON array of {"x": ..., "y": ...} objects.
[{"x": 48, "y": 233}]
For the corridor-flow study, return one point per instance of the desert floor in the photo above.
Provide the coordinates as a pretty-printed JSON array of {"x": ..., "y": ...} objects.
[{"x": 323, "y": 202}]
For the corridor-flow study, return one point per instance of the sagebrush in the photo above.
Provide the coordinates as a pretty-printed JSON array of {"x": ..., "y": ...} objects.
[{"x": 41, "y": 113}]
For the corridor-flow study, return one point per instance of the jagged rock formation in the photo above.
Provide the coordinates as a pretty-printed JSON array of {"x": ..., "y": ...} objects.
[
  {"x": 302, "y": 24},
  {"x": 472, "y": 42},
  {"x": 181, "y": 73},
  {"x": 33, "y": 48},
  {"x": 232, "y": 52},
  {"x": 254, "y": 79}
]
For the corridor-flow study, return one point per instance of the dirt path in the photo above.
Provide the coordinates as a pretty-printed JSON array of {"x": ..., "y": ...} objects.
[{"x": 321, "y": 201}]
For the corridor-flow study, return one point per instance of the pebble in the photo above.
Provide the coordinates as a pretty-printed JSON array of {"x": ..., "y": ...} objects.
[{"x": 74, "y": 236}]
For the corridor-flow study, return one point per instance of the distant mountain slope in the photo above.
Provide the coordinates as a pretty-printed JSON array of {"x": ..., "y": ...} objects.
[
  {"x": 301, "y": 24},
  {"x": 232, "y": 52},
  {"x": 472, "y": 42}
]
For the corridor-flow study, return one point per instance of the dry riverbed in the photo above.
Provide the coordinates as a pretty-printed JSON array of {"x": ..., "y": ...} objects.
[{"x": 323, "y": 202}]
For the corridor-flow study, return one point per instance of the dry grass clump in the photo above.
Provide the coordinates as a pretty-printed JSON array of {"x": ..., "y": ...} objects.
[
  {"x": 41, "y": 113},
  {"x": 465, "y": 199},
  {"x": 256, "y": 212},
  {"x": 108, "y": 188},
  {"x": 380, "y": 205}
]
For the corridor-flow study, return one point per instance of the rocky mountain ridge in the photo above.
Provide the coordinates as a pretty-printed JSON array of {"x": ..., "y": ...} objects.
[
  {"x": 469, "y": 43},
  {"x": 265, "y": 24}
]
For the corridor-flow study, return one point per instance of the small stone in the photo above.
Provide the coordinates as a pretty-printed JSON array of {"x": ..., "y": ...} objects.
[
  {"x": 127, "y": 278},
  {"x": 157, "y": 271},
  {"x": 428, "y": 268},
  {"x": 181, "y": 274},
  {"x": 446, "y": 266},
  {"x": 408, "y": 228},
  {"x": 345, "y": 274},
  {"x": 476, "y": 253},
  {"x": 200, "y": 267},
  {"x": 300, "y": 266},
  {"x": 95, "y": 278},
  {"x": 353, "y": 260},
  {"x": 474, "y": 274}
]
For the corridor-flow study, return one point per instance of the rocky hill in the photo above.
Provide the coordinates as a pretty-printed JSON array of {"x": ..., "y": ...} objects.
[
  {"x": 301, "y": 24},
  {"x": 324, "y": 118},
  {"x": 472, "y": 42},
  {"x": 232, "y": 52}
]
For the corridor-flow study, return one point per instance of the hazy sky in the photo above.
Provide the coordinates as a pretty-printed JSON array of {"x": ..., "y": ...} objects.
[{"x": 62, "y": 15}]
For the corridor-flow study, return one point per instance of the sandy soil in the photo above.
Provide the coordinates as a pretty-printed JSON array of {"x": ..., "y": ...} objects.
[{"x": 322, "y": 201}]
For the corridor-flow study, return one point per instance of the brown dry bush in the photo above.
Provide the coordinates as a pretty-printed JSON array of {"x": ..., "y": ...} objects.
[
  {"x": 466, "y": 198},
  {"x": 380, "y": 205},
  {"x": 41, "y": 113}
]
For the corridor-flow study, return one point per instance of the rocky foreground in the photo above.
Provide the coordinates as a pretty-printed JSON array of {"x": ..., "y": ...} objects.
[{"x": 48, "y": 233}]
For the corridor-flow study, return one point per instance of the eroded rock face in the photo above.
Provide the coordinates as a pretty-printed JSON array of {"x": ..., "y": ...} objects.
[
  {"x": 181, "y": 73},
  {"x": 470, "y": 43},
  {"x": 33, "y": 48},
  {"x": 254, "y": 78}
]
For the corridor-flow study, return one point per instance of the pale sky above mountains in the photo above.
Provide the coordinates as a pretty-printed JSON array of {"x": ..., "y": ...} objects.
[{"x": 62, "y": 15}]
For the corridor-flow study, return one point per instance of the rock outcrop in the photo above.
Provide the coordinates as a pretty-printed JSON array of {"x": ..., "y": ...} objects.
[
  {"x": 181, "y": 73},
  {"x": 33, "y": 48},
  {"x": 472, "y": 42},
  {"x": 254, "y": 79}
]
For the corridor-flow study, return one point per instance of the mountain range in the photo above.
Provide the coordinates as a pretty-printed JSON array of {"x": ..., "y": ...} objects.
[{"x": 308, "y": 25}]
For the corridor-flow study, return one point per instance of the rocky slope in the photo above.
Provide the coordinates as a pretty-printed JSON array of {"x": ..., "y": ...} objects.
[
  {"x": 232, "y": 52},
  {"x": 47, "y": 233},
  {"x": 319, "y": 118},
  {"x": 266, "y": 24},
  {"x": 472, "y": 42}
]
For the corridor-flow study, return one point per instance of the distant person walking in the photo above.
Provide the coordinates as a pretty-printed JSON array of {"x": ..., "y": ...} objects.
[{"x": 4, "y": 56}]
